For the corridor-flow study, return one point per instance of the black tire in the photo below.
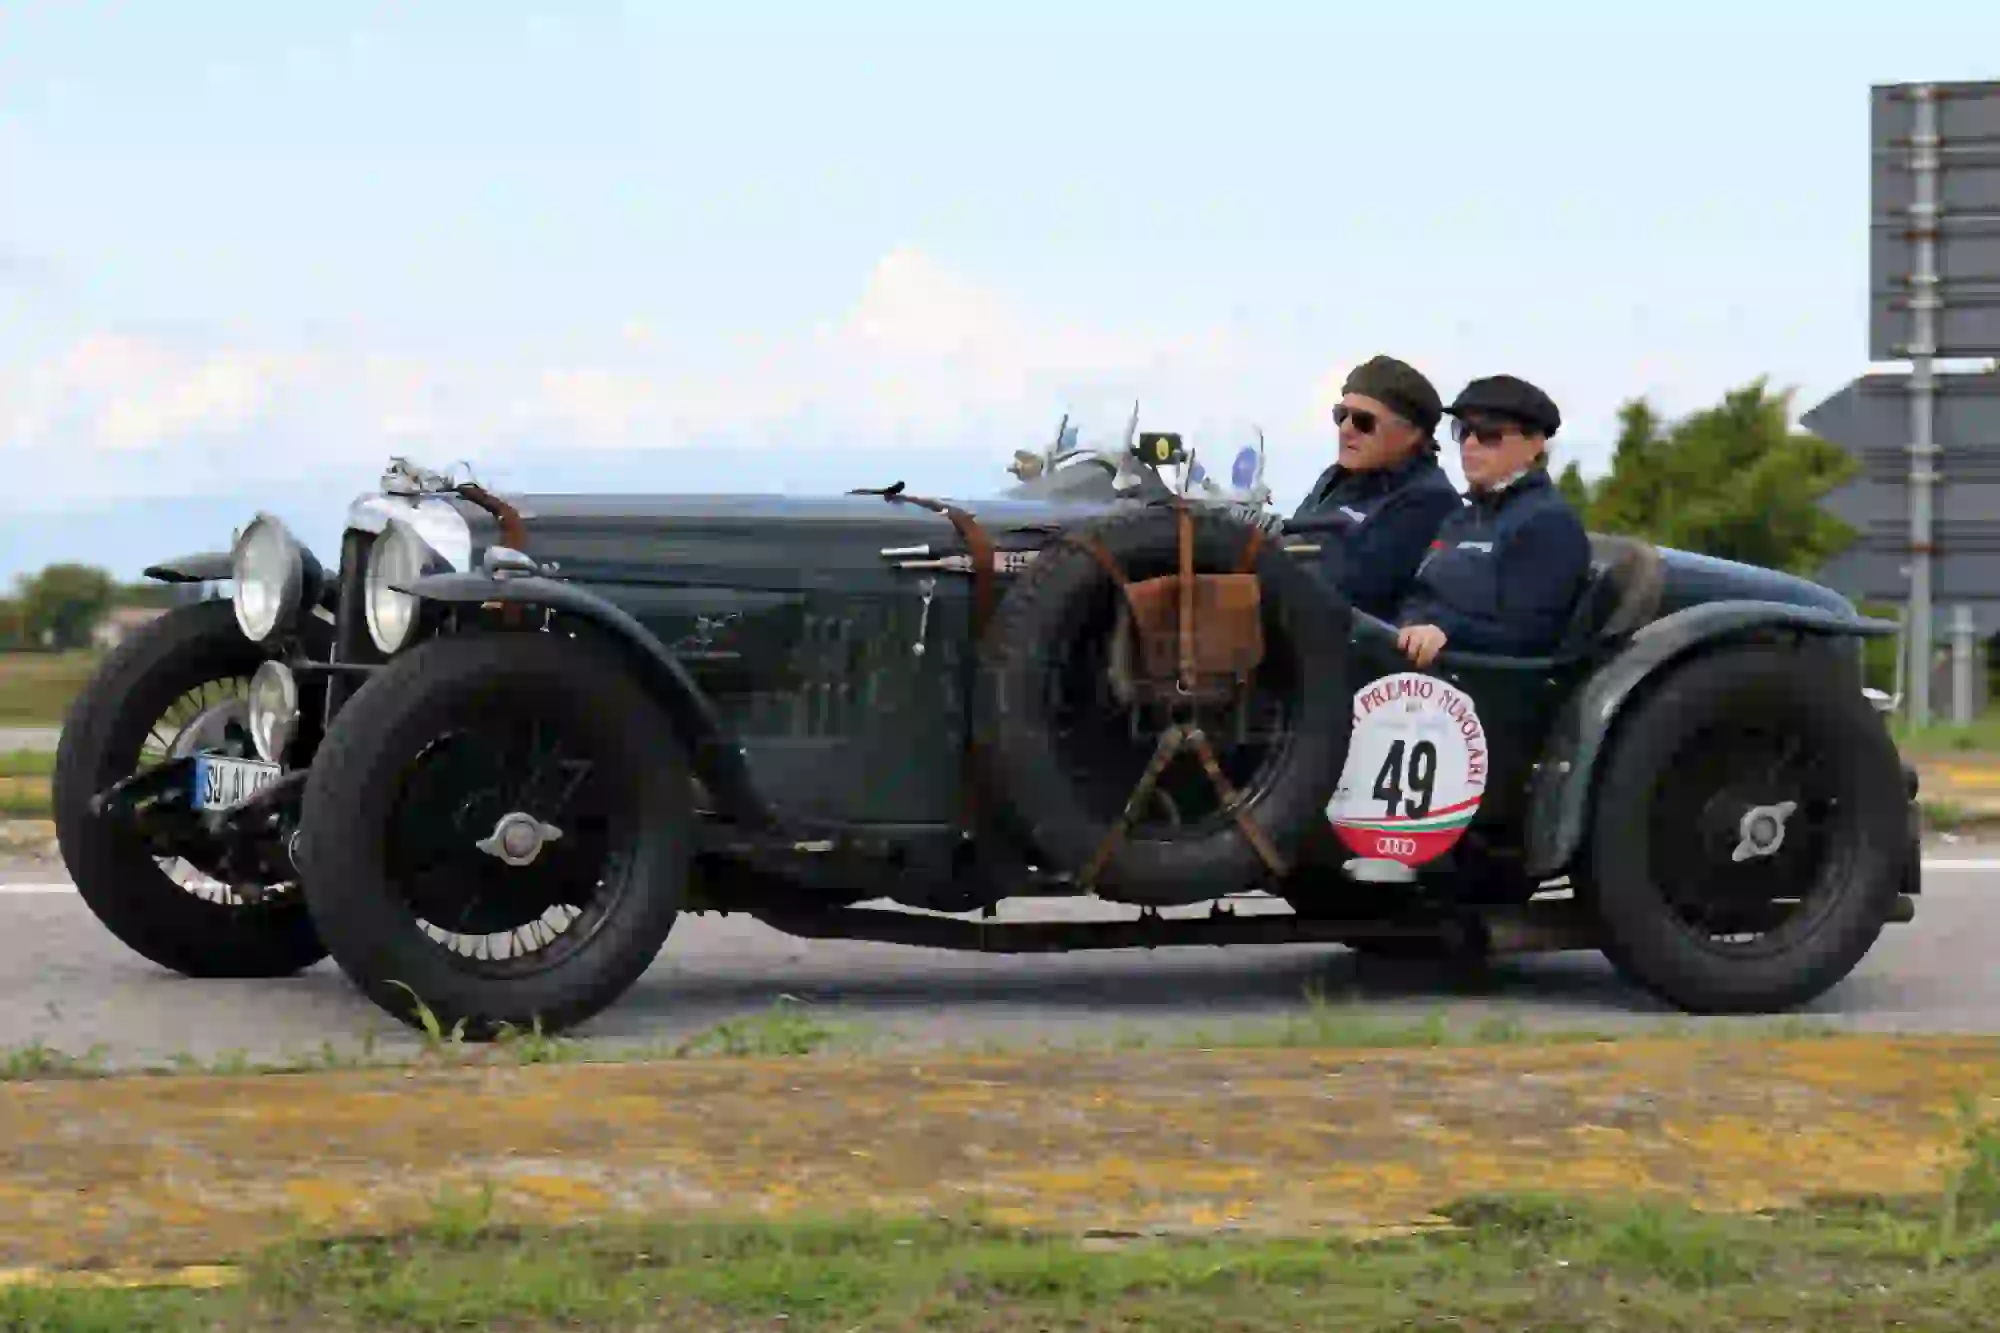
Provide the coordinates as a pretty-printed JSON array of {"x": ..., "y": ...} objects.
[
  {"x": 1692, "y": 735},
  {"x": 373, "y": 930},
  {"x": 116, "y": 876},
  {"x": 1062, "y": 806}
]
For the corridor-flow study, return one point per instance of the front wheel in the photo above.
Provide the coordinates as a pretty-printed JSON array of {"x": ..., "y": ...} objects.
[
  {"x": 496, "y": 828},
  {"x": 176, "y": 687},
  {"x": 1748, "y": 840}
]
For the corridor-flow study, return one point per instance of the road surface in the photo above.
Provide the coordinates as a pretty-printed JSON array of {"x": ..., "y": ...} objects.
[
  {"x": 65, "y": 981},
  {"x": 28, "y": 738}
]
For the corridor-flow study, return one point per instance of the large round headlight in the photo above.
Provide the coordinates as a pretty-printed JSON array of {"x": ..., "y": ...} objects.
[
  {"x": 398, "y": 556},
  {"x": 268, "y": 567}
]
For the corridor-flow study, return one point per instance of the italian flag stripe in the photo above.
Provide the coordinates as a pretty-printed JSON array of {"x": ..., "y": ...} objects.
[
  {"x": 1452, "y": 816},
  {"x": 1411, "y": 825}
]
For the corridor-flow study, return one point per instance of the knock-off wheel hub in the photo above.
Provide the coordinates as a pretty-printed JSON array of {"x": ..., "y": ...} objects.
[
  {"x": 517, "y": 839},
  {"x": 1761, "y": 831}
]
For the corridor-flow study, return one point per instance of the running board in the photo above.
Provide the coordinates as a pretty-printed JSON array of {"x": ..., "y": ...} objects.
[{"x": 1552, "y": 926}]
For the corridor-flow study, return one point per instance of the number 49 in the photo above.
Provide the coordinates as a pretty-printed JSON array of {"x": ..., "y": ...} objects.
[{"x": 1422, "y": 777}]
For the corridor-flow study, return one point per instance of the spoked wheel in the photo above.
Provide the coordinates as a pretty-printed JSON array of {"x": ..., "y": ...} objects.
[
  {"x": 496, "y": 828},
  {"x": 509, "y": 851},
  {"x": 1743, "y": 828},
  {"x": 1750, "y": 834},
  {"x": 176, "y": 687}
]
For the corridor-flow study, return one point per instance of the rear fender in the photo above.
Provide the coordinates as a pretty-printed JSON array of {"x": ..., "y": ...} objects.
[
  {"x": 718, "y": 761},
  {"x": 1559, "y": 792}
]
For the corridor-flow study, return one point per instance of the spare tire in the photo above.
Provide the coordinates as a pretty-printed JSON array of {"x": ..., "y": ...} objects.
[{"x": 1060, "y": 755}]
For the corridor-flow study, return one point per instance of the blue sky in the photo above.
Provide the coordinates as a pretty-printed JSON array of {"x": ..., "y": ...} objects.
[{"x": 249, "y": 251}]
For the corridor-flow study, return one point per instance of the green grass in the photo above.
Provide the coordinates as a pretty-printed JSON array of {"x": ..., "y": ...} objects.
[
  {"x": 1508, "y": 1262},
  {"x": 24, "y": 783},
  {"x": 1943, "y": 739},
  {"x": 1949, "y": 817},
  {"x": 790, "y": 1029},
  {"x": 27, "y": 763},
  {"x": 36, "y": 688}
]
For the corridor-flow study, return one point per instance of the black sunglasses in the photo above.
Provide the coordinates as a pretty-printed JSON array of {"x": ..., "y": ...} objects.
[
  {"x": 1488, "y": 433},
  {"x": 1364, "y": 420}
]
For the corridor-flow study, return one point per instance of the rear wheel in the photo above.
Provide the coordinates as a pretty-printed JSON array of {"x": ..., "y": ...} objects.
[
  {"x": 1749, "y": 835},
  {"x": 176, "y": 686},
  {"x": 497, "y": 827}
]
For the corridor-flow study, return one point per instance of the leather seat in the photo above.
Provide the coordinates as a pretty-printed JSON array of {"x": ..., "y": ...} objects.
[{"x": 1621, "y": 595}]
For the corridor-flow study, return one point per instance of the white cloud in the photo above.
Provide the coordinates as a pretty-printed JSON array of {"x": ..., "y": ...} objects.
[
  {"x": 115, "y": 392},
  {"x": 920, "y": 349},
  {"x": 922, "y": 357}
]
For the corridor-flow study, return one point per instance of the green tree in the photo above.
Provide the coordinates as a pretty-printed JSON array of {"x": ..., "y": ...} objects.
[
  {"x": 65, "y": 602},
  {"x": 145, "y": 593},
  {"x": 1732, "y": 481},
  {"x": 1574, "y": 488}
]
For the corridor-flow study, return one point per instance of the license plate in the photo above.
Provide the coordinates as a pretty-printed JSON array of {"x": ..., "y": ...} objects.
[{"x": 221, "y": 783}]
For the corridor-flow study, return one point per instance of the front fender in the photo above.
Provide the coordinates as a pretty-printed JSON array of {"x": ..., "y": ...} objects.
[
  {"x": 718, "y": 761},
  {"x": 1559, "y": 793},
  {"x": 207, "y": 567}
]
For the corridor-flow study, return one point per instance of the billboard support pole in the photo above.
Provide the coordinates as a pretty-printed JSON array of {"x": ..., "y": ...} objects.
[
  {"x": 1923, "y": 347},
  {"x": 1964, "y": 650}
]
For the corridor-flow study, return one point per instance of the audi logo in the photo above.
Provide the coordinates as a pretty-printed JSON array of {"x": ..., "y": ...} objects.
[{"x": 1396, "y": 846}]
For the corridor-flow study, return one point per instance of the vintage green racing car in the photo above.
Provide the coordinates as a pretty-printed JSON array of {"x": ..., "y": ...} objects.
[{"x": 491, "y": 754}]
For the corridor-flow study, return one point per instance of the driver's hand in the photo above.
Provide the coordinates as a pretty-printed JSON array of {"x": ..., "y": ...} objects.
[{"x": 1420, "y": 643}]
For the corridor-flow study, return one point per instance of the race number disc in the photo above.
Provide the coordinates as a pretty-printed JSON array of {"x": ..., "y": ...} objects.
[{"x": 1416, "y": 769}]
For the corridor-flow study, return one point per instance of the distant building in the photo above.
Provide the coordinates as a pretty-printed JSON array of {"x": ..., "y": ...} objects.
[{"x": 118, "y": 622}]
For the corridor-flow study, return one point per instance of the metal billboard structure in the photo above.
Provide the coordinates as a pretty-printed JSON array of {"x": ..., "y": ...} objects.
[
  {"x": 1934, "y": 236},
  {"x": 1870, "y": 420},
  {"x": 1929, "y": 445}
]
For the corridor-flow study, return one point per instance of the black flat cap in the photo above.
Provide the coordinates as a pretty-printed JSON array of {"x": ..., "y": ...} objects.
[
  {"x": 1511, "y": 398},
  {"x": 1399, "y": 385}
]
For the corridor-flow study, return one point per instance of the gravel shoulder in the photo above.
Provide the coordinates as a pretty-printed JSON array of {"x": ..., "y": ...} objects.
[{"x": 183, "y": 1169}]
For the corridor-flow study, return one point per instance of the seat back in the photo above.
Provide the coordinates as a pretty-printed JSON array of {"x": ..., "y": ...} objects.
[{"x": 1621, "y": 594}]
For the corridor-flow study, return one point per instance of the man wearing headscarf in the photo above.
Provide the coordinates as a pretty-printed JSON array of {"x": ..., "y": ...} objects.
[{"x": 1375, "y": 510}]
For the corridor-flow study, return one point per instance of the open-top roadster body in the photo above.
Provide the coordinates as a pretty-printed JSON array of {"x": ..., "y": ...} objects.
[{"x": 489, "y": 755}]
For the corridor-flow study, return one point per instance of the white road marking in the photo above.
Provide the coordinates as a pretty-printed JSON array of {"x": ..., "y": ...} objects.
[{"x": 1946, "y": 865}]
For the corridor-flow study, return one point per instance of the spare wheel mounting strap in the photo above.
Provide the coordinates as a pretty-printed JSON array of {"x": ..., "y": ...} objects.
[
  {"x": 1163, "y": 754},
  {"x": 1184, "y": 523},
  {"x": 978, "y": 546},
  {"x": 984, "y": 568},
  {"x": 1089, "y": 543},
  {"x": 1248, "y": 560},
  {"x": 1231, "y": 800},
  {"x": 1171, "y": 742}
]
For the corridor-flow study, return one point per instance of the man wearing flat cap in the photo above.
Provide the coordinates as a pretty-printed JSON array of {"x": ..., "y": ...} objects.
[
  {"x": 1504, "y": 571},
  {"x": 1375, "y": 510}
]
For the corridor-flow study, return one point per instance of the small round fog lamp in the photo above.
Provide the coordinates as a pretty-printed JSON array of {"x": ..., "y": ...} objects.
[{"x": 274, "y": 711}]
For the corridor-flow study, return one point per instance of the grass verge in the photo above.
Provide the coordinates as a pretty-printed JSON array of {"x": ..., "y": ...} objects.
[
  {"x": 36, "y": 688},
  {"x": 1501, "y": 1262},
  {"x": 1952, "y": 817},
  {"x": 790, "y": 1028},
  {"x": 24, "y": 783},
  {"x": 1941, "y": 739}
]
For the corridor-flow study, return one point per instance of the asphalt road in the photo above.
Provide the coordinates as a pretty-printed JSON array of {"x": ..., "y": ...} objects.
[
  {"x": 65, "y": 981},
  {"x": 28, "y": 738}
]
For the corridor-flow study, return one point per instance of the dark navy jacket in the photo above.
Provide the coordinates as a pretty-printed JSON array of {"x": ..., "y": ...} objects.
[
  {"x": 1386, "y": 519},
  {"x": 1505, "y": 571}
]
